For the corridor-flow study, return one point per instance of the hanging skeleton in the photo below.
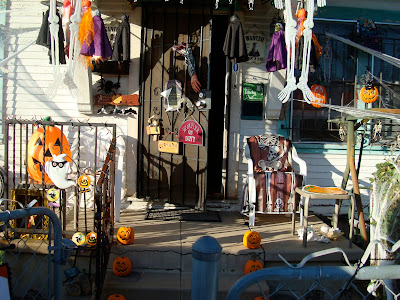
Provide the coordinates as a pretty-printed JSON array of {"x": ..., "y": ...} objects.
[{"x": 290, "y": 39}]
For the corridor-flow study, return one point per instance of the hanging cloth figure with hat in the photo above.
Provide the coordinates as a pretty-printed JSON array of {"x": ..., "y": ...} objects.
[
  {"x": 277, "y": 55},
  {"x": 93, "y": 35}
]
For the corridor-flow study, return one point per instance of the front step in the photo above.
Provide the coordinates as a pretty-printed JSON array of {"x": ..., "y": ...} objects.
[{"x": 166, "y": 286}]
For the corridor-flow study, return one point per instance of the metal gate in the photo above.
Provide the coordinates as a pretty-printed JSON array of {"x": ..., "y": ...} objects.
[
  {"x": 85, "y": 206},
  {"x": 178, "y": 178}
]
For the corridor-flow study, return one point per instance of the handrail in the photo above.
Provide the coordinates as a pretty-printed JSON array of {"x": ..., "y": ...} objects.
[{"x": 389, "y": 59}]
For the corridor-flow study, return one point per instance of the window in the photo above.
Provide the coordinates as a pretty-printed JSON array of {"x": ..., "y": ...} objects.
[{"x": 342, "y": 69}]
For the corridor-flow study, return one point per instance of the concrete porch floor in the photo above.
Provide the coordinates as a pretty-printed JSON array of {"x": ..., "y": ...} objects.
[{"x": 162, "y": 261}]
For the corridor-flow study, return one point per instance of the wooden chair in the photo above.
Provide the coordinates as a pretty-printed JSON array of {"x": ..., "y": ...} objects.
[{"x": 271, "y": 181}]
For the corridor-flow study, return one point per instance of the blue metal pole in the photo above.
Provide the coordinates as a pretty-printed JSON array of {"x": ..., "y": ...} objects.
[
  {"x": 206, "y": 253},
  {"x": 22, "y": 213}
]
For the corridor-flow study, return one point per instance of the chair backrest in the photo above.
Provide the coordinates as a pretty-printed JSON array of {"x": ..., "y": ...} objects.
[{"x": 270, "y": 152}]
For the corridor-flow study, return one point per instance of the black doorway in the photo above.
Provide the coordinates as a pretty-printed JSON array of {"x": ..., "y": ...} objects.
[{"x": 216, "y": 117}]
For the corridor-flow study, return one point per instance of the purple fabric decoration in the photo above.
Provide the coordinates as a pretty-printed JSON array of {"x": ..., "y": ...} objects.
[
  {"x": 277, "y": 55},
  {"x": 101, "y": 45}
]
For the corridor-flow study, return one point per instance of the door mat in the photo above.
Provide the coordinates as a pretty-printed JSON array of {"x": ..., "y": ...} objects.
[{"x": 185, "y": 214}]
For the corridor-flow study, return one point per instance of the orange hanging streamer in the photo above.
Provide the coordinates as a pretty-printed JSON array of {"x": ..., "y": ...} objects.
[
  {"x": 301, "y": 15},
  {"x": 86, "y": 29}
]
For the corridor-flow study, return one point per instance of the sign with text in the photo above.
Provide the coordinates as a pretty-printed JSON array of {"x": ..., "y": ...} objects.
[
  {"x": 255, "y": 44},
  {"x": 191, "y": 133},
  {"x": 168, "y": 146}
]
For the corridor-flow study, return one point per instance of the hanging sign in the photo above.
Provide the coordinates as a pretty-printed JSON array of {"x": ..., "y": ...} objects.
[
  {"x": 191, "y": 133},
  {"x": 255, "y": 44},
  {"x": 168, "y": 146}
]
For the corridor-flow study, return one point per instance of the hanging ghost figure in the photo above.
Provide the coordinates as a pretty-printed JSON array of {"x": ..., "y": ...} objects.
[
  {"x": 290, "y": 39},
  {"x": 57, "y": 170}
]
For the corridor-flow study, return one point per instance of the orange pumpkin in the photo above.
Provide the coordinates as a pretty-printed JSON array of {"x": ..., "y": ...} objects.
[
  {"x": 251, "y": 239},
  {"x": 125, "y": 235},
  {"x": 122, "y": 266},
  {"x": 260, "y": 298},
  {"x": 369, "y": 93},
  {"x": 252, "y": 265},
  {"x": 91, "y": 238},
  {"x": 41, "y": 147},
  {"x": 319, "y": 92},
  {"x": 116, "y": 297}
]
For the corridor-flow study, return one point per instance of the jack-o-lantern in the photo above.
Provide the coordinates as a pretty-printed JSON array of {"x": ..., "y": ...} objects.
[
  {"x": 41, "y": 147},
  {"x": 125, "y": 235},
  {"x": 122, "y": 266},
  {"x": 91, "y": 238},
  {"x": 252, "y": 265},
  {"x": 116, "y": 297},
  {"x": 251, "y": 239},
  {"x": 260, "y": 298},
  {"x": 320, "y": 96},
  {"x": 369, "y": 93}
]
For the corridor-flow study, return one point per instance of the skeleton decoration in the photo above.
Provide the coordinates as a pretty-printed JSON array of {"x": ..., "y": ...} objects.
[{"x": 290, "y": 37}]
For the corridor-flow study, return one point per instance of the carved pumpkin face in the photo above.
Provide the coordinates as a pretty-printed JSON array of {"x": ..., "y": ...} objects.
[
  {"x": 251, "y": 239},
  {"x": 369, "y": 93},
  {"x": 116, "y": 297},
  {"x": 320, "y": 96},
  {"x": 45, "y": 144},
  {"x": 252, "y": 265},
  {"x": 91, "y": 238},
  {"x": 122, "y": 266},
  {"x": 125, "y": 235}
]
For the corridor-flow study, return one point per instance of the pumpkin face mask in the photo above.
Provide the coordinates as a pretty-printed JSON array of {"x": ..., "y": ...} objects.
[
  {"x": 125, "y": 235},
  {"x": 122, "y": 266},
  {"x": 252, "y": 265},
  {"x": 251, "y": 239}
]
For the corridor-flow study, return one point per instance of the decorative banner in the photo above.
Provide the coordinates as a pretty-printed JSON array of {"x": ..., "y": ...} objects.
[
  {"x": 169, "y": 147},
  {"x": 191, "y": 133},
  {"x": 255, "y": 44}
]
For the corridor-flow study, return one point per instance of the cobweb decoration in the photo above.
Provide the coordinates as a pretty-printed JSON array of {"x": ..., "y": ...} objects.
[{"x": 360, "y": 113}]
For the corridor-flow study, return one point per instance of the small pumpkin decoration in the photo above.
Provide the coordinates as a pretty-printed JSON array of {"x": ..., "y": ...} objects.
[
  {"x": 369, "y": 93},
  {"x": 125, "y": 235},
  {"x": 260, "y": 298},
  {"x": 42, "y": 145},
  {"x": 320, "y": 96},
  {"x": 251, "y": 239},
  {"x": 91, "y": 238},
  {"x": 122, "y": 266},
  {"x": 252, "y": 265},
  {"x": 116, "y": 297}
]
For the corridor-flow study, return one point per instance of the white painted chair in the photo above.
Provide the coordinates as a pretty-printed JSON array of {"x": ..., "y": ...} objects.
[{"x": 271, "y": 180}]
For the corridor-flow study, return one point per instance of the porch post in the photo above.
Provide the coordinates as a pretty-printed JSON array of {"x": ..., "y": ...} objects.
[{"x": 206, "y": 253}]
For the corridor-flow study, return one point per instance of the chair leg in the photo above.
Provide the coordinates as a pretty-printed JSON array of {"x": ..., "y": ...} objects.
[
  {"x": 353, "y": 203},
  {"x": 336, "y": 214},
  {"x": 305, "y": 226},
  {"x": 252, "y": 216},
  {"x": 296, "y": 203}
]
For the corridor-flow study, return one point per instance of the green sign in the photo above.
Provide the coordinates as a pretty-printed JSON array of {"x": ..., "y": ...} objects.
[
  {"x": 252, "y": 101},
  {"x": 253, "y": 92}
]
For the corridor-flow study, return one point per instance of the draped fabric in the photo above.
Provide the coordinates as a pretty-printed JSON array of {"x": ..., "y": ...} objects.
[
  {"x": 44, "y": 37},
  {"x": 235, "y": 43},
  {"x": 277, "y": 56},
  {"x": 122, "y": 42}
]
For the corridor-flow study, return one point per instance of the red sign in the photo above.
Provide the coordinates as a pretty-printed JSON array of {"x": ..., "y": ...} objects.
[{"x": 191, "y": 132}]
